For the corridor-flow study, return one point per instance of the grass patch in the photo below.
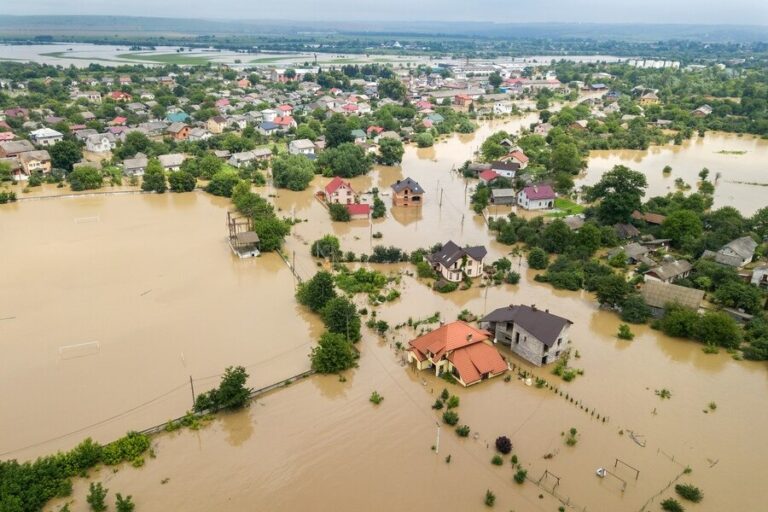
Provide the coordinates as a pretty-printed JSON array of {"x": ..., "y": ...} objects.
[
  {"x": 171, "y": 58},
  {"x": 565, "y": 207}
]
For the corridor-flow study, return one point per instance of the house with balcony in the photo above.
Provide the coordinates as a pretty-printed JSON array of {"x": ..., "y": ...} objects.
[
  {"x": 532, "y": 333},
  {"x": 407, "y": 192},
  {"x": 455, "y": 263}
]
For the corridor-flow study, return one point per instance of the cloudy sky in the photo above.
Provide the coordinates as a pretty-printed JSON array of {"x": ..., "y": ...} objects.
[{"x": 754, "y": 12}]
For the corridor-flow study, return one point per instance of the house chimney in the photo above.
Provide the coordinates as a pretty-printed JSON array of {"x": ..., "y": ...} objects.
[{"x": 469, "y": 337}]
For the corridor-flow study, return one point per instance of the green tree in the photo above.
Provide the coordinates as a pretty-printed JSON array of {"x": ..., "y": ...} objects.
[
  {"x": 154, "y": 178},
  {"x": 272, "y": 232},
  {"x": 124, "y": 504},
  {"x": 294, "y": 172},
  {"x": 620, "y": 191},
  {"x": 316, "y": 292},
  {"x": 340, "y": 316},
  {"x": 339, "y": 213},
  {"x": 495, "y": 80},
  {"x": 557, "y": 237},
  {"x": 96, "y": 497},
  {"x": 65, "y": 154},
  {"x": 333, "y": 354},
  {"x": 425, "y": 140},
  {"x": 346, "y": 160},
  {"x": 223, "y": 182},
  {"x": 327, "y": 247},
  {"x": 208, "y": 166},
  {"x": 491, "y": 149},
  {"x": 233, "y": 392},
  {"x": 715, "y": 328},
  {"x": 678, "y": 321},
  {"x": 683, "y": 227},
  {"x": 612, "y": 290},
  {"x": 390, "y": 151},
  {"x": 337, "y": 131},
  {"x": 735, "y": 294},
  {"x": 635, "y": 310},
  {"x": 587, "y": 241},
  {"x": 182, "y": 181},
  {"x": 537, "y": 258},
  {"x": 85, "y": 178},
  {"x": 5, "y": 172},
  {"x": 135, "y": 142},
  {"x": 379, "y": 208},
  {"x": 567, "y": 159},
  {"x": 392, "y": 88}
]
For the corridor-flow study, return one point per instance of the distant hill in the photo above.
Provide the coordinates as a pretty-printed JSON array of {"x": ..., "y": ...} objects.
[{"x": 92, "y": 26}]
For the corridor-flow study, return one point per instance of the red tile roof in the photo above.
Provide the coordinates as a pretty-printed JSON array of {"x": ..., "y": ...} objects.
[
  {"x": 283, "y": 121},
  {"x": 488, "y": 175},
  {"x": 376, "y": 129},
  {"x": 464, "y": 346},
  {"x": 519, "y": 156},
  {"x": 285, "y": 108},
  {"x": 359, "y": 209},
  {"x": 335, "y": 184}
]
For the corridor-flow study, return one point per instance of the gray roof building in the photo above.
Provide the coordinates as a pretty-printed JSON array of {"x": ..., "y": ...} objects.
[{"x": 542, "y": 324}]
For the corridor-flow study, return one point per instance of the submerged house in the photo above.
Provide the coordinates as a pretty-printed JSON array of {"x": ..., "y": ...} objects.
[
  {"x": 534, "y": 334},
  {"x": 407, "y": 192},
  {"x": 455, "y": 263},
  {"x": 459, "y": 349}
]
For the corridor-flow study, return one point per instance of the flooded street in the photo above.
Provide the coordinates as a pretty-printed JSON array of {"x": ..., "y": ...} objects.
[{"x": 112, "y": 302}]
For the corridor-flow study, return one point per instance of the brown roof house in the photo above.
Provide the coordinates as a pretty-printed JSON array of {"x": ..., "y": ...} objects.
[
  {"x": 35, "y": 161},
  {"x": 407, "y": 192},
  {"x": 657, "y": 295},
  {"x": 459, "y": 349},
  {"x": 534, "y": 334},
  {"x": 668, "y": 272},
  {"x": 217, "y": 124},
  {"x": 455, "y": 263}
]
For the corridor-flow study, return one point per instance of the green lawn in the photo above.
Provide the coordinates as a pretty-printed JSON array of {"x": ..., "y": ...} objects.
[
  {"x": 170, "y": 58},
  {"x": 565, "y": 207}
]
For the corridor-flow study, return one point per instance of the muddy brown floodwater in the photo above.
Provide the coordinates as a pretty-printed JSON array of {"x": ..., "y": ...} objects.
[{"x": 113, "y": 301}]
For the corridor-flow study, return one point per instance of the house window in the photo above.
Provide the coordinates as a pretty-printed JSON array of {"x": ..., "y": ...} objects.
[{"x": 559, "y": 341}]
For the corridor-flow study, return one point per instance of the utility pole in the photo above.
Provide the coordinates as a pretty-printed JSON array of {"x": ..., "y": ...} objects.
[
  {"x": 192, "y": 386},
  {"x": 441, "y": 198},
  {"x": 437, "y": 443},
  {"x": 293, "y": 268}
]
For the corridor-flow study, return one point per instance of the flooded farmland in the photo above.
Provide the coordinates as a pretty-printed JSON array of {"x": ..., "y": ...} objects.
[{"x": 141, "y": 291}]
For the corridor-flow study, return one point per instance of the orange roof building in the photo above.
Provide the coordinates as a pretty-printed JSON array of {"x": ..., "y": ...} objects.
[{"x": 463, "y": 351}]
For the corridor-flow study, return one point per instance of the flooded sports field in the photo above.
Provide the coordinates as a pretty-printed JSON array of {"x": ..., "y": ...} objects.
[{"x": 111, "y": 303}]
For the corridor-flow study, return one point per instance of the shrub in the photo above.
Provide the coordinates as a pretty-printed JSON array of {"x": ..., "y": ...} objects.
[
  {"x": 452, "y": 402},
  {"x": 232, "y": 392},
  {"x": 316, "y": 292},
  {"x": 327, "y": 247},
  {"x": 376, "y": 398},
  {"x": 512, "y": 277},
  {"x": 445, "y": 286},
  {"x": 689, "y": 492},
  {"x": 503, "y": 444},
  {"x": 624, "y": 332},
  {"x": 463, "y": 431},
  {"x": 634, "y": 309},
  {"x": 490, "y": 498},
  {"x": 424, "y": 140},
  {"x": 85, "y": 178},
  {"x": 672, "y": 505},
  {"x": 223, "y": 182},
  {"x": 438, "y": 404},
  {"x": 520, "y": 476},
  {"x": 126, "y": 448},
  {"x": 181, "y": 181},
  {"x": 333, "y": 354},
  {"x": 124, "y": 504},
  {"x": 537, "y": 259},
  {"x": 339, "y": 213},
  {"x": 497, "y": 460},
  {"x": 450, "y": 417},
  {"x": 96, "y": 496}
]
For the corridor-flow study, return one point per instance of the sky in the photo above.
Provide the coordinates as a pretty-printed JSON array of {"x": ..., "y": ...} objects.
[{"x": 747, "y": 12}]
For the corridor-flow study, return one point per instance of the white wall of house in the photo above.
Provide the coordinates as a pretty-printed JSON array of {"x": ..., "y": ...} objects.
[
  {"x": 538, "y": 204},
  {"x": 342, "y": 195},
  {"x": 530, "y": 348},
  {"x": 455, "y": 273}
]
